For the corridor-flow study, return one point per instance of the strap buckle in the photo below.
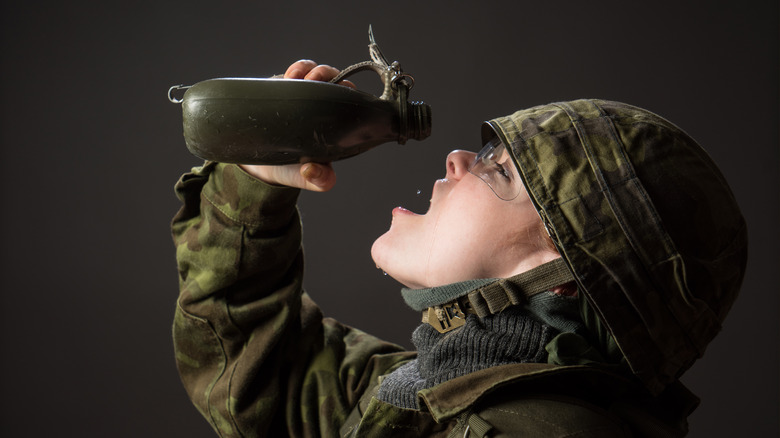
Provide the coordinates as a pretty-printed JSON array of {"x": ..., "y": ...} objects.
[{"x": 447, "y": 317}]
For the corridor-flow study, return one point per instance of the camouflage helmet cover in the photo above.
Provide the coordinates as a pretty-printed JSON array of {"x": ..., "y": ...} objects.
[{"x": 644, "y": 219}]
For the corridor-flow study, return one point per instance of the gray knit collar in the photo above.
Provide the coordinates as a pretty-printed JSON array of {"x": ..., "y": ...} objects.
[
  {"x": 518, "y": 334},
  {"x": 509, "y": 337}
]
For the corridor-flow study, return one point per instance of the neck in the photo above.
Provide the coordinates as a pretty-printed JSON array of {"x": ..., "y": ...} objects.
[{"x": 527, "y": 258}]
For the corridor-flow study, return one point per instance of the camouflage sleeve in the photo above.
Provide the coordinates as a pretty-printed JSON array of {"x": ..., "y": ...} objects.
[{"x": 253, "y": 350}]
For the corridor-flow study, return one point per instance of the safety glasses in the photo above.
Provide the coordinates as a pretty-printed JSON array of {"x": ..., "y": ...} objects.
[{"x": 495, "y": 167}]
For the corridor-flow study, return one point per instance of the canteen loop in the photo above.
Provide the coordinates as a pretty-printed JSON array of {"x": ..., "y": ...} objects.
[
  {"x": 177, "y": 88},
  {"x": 391, "y": 73}
]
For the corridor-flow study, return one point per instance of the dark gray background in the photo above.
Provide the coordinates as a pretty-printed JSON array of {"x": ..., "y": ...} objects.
[{"x": 91, "y": 149}]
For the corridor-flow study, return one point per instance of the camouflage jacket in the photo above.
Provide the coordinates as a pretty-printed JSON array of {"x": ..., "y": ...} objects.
[{"x": 258, "y": 358}]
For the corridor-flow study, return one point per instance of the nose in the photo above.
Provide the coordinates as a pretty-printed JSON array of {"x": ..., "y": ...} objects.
[{"x": 458, "y": 163}]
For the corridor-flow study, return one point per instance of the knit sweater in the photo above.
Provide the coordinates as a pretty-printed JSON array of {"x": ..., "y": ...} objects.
[{"x": 519, "y": 334}]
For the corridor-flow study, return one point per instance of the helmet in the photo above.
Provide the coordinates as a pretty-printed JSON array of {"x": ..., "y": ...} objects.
[{"x": 643, "y": 218}]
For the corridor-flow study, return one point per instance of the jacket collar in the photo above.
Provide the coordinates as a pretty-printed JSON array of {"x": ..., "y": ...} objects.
[{"x": 450, "y": 399}]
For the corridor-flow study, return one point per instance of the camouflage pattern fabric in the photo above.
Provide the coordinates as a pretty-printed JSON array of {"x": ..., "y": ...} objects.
[
  {"x": 258, "y": 358},
  {"x": 644, "y": 219},
  {"x": 254, "y": 352}
]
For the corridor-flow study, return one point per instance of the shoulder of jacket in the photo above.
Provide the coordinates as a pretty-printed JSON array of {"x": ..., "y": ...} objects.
[{"x": 547, "y": 415}]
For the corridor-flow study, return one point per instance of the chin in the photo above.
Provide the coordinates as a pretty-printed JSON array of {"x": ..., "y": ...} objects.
[
  {"x": 379, "y": 253},
  {"x": 375, "y": 252},
  {"x": 382, "y": 254}
]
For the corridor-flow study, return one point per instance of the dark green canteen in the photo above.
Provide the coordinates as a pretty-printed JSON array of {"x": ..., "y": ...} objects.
[{"x": 285, "y": 121}]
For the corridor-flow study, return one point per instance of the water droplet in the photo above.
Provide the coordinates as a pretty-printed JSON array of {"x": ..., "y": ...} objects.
[
  {"x": 419, "y": 191},
  {"x": 384, "y": 273}
]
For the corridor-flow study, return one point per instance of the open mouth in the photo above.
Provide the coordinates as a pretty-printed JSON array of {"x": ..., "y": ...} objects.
[
  {"x": 423, "y": 200},
  {"x": 420, "y": 203},
  {"x": 403, "y": 211}
]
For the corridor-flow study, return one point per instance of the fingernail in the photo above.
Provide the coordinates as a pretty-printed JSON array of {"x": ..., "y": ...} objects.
[
  {"x": 311, "y": 172},
  {"x": 295, "y": 74}
]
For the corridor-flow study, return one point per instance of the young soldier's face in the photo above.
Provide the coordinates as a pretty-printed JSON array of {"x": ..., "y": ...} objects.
[{"x": 467, "y": 233}]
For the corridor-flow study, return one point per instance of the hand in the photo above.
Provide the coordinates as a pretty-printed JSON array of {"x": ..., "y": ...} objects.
[{"x": 310, "y": 176}]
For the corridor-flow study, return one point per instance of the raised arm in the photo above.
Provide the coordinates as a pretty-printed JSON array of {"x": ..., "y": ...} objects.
[{"x": 253, "y": 350}]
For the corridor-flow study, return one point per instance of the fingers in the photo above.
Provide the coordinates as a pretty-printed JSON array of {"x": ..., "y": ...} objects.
[
  {"x": 347, "y": 83},
  {"x": 299, "y": 69},
  {"x": 309, "y": 70},
  {"x": 322, "y": 72}
]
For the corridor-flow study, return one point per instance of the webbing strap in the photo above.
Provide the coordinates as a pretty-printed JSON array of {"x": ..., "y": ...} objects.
[
  {"x": 478, "y": 426},
  {"x": 494, "y": 297},
  {"x": 475, "y": 426}
]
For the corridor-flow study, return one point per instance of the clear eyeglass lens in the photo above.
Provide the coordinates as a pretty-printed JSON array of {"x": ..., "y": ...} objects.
[{"x": 494, "y": 166}]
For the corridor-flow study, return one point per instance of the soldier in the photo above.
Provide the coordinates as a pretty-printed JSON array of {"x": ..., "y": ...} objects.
[{"x": 567, "y": 275}]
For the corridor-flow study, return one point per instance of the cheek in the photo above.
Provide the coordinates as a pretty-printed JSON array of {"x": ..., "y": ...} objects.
[
  {"x": 461, "y": 238},
  {"x": 487, "y": 225}
]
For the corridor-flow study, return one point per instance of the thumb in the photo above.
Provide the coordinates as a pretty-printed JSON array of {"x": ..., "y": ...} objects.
[{"x": 318, "y": 177}]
